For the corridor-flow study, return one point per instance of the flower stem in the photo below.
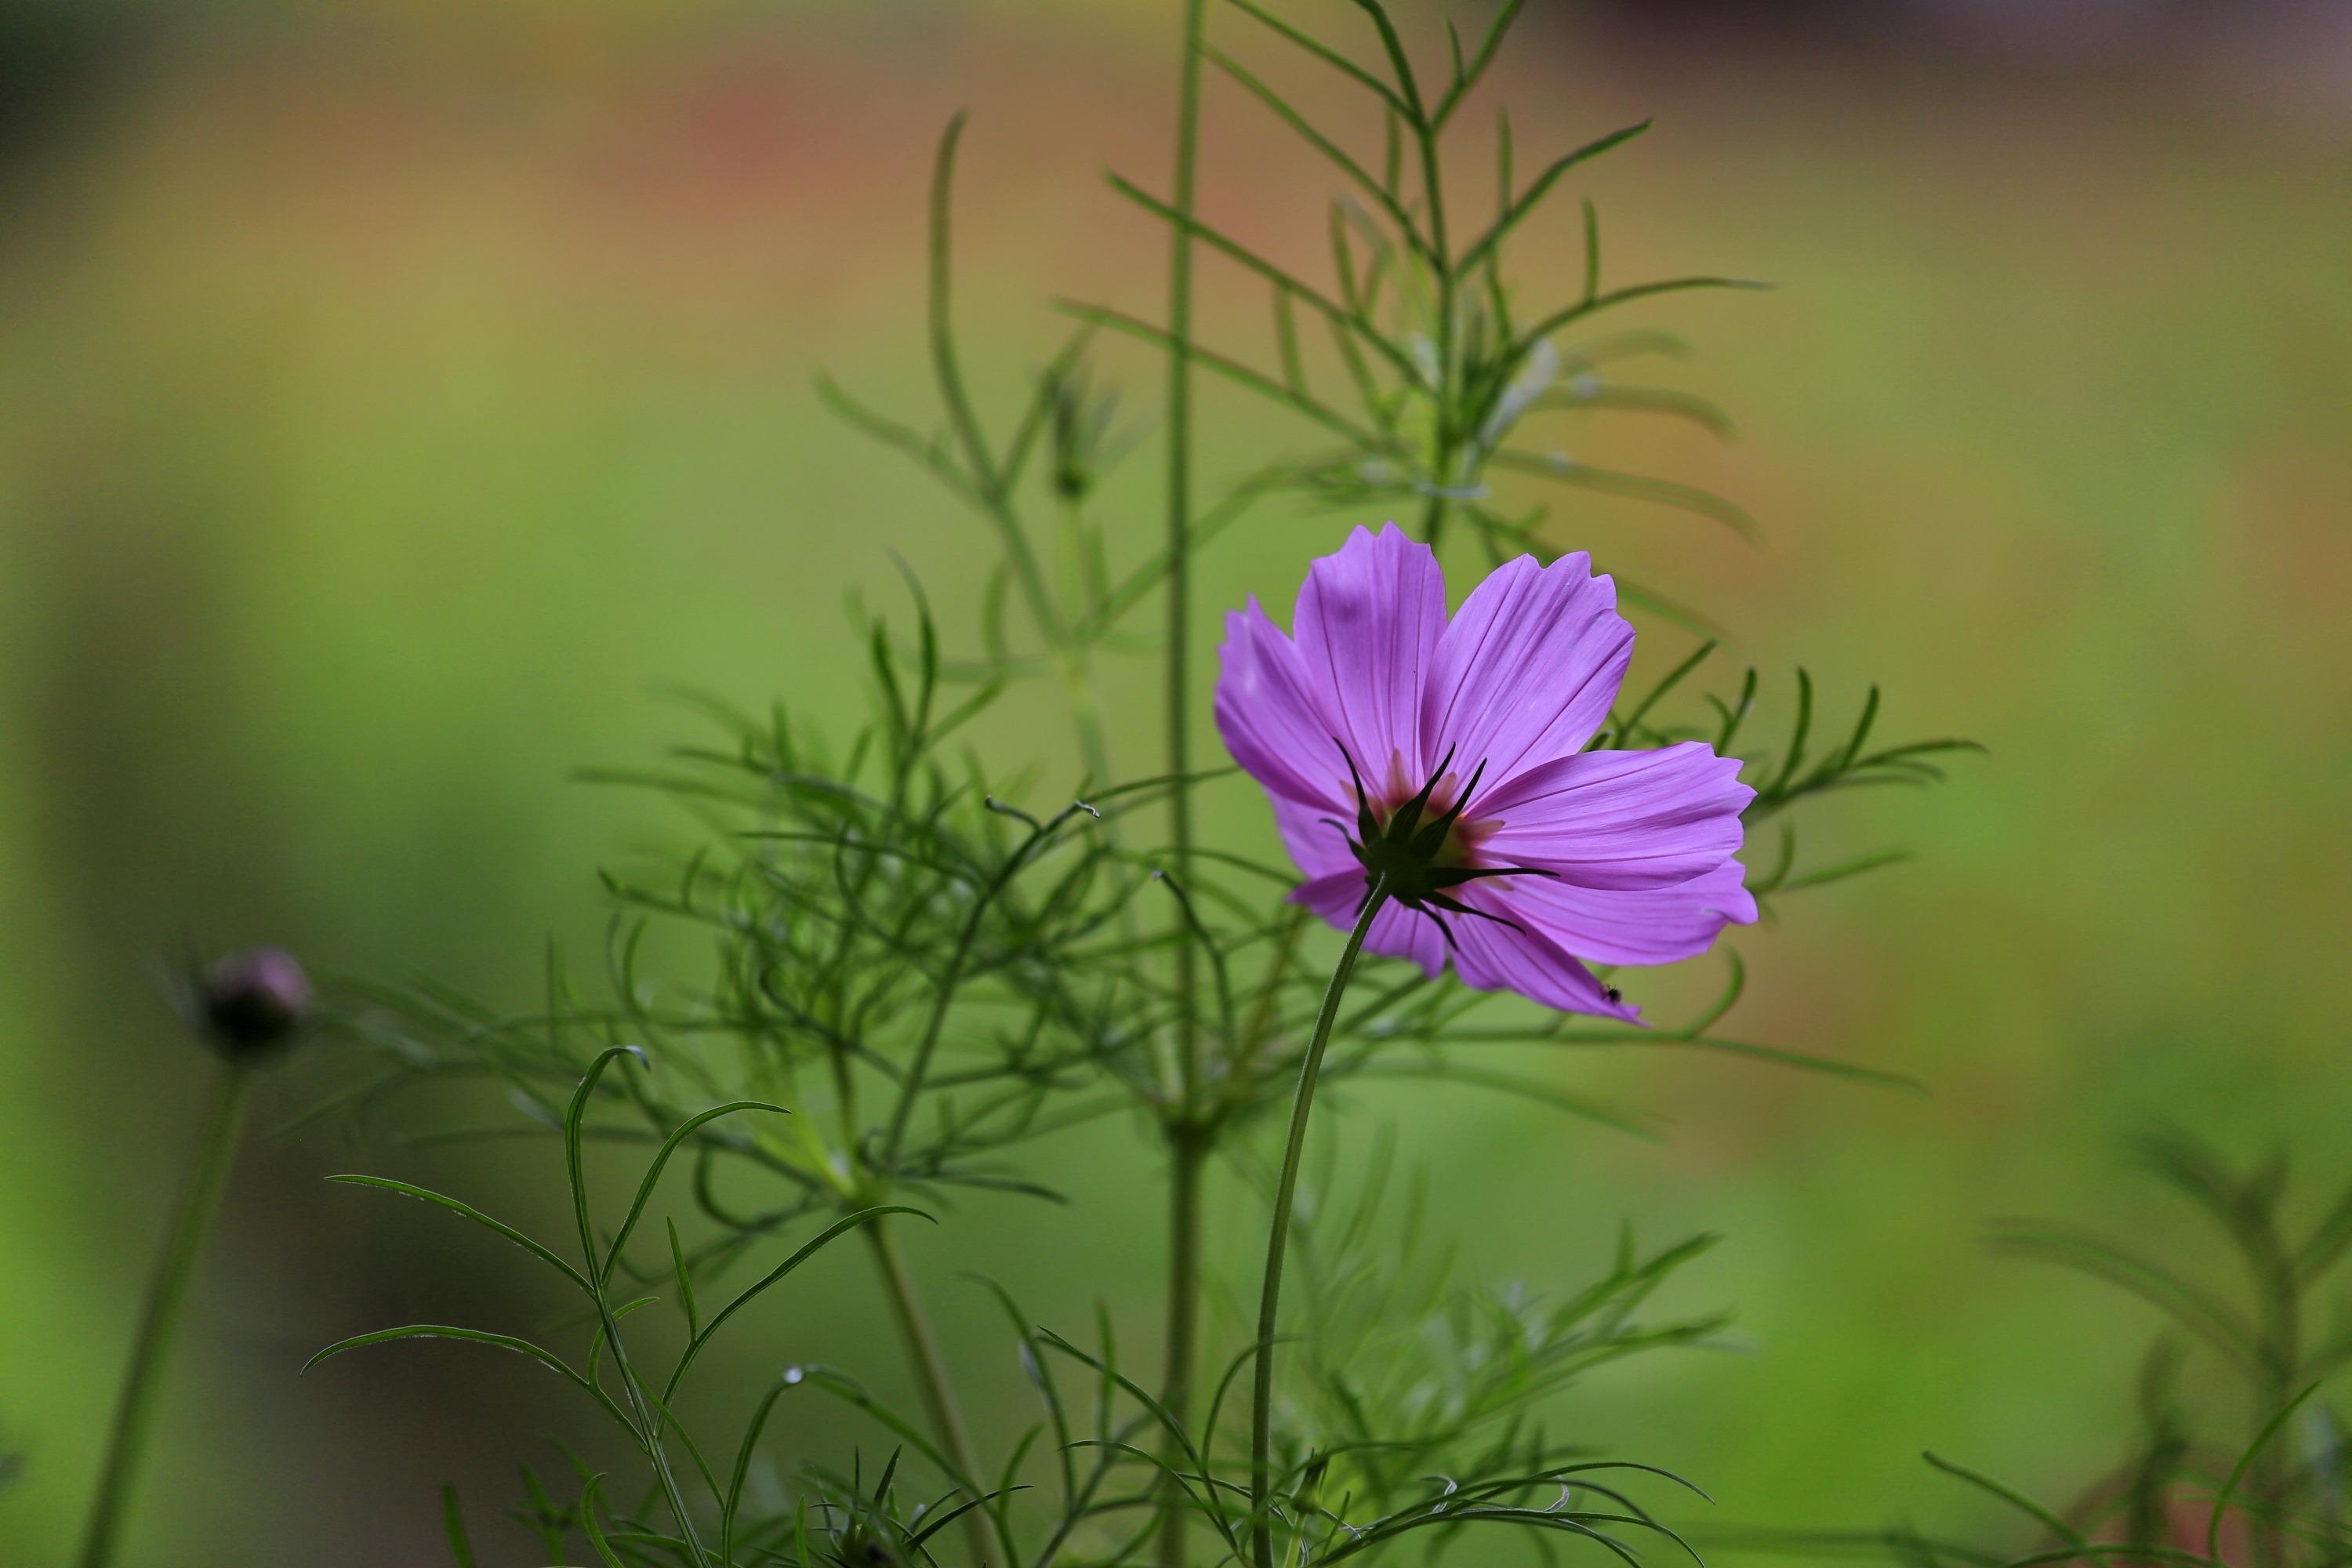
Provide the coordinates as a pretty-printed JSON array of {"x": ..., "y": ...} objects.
[
  {"x": 931, "y": 1379},
  {"x": 1180, "y": 518},
  {"x": 1277, "y": 1239},
  {"x": 167, "y": 1301},
  {"x": 1189, "y": 1150}
]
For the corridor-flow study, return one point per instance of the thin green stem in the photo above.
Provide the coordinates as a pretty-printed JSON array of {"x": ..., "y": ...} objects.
[
  {"x": 1189, "y": 1150},
  {"x": 2279, "y": 1366},
  {"x": 931, "y": 1379},
  {"x": 1184, "y": 1203},
  {"x": 1433, "y": 521},
  {"x": 917, "y": 1070},
  {"x": 1447, "y": 280},
  {"x": 167, "y": 1301},
  {"x": 1432, "y": 180},
  {"x": 1277, "y": 1239},
  {"x": 649, "y": 1418},
  {"x": 987, "y": 479},
  {"x": 845, "y": 1094},
  {"x": 1072, "y": 660},
  {"x": 652, "y": 1421},
  {"x": 1086, "y": 716},
  {"x": 1179, "y": 513}
]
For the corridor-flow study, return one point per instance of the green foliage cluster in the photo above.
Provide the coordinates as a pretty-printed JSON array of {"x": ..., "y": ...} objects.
[
  {"x": 2263, "y": 1485},
  {"x": 2268, "y": 1486}
]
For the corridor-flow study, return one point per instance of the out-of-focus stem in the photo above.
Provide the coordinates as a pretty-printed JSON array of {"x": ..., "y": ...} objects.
[
  {"x": 159, "y": 1325},
  {"x": 987, "y": 479},
  {"x": 2281, "y": 1358},
  {"x": 1086, "y": 714},
  {"x": 1185, "y": 1197},
  {"x": 1077, "y": 667},
  {"x": 931, "y": 1379},
  {"x": 1277, "y": 1240},
  {"x": 1187, "y": 1169},
  {"x": 1433, "y": 527},
  {"x": 1179, "y": 515},
  {"x": 1433, "y": 521}
]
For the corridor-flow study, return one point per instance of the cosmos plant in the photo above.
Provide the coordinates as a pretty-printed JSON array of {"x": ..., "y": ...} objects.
[{"x": 915, "y": 966}]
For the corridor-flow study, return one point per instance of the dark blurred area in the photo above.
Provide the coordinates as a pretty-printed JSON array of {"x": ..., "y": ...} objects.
[
  {"x": 59, "y": 63},
  {"x": 396, "y": 395}
]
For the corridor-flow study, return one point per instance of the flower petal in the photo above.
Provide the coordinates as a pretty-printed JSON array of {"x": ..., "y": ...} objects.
[
  {"x": 1270, "y": 721},
  {"x": 1619, "y": 820},
  {"x": 1632, "y": 925},
  {"x": 1369, "y": 619},
  {"x": 1316, "y": 846},
  {"x": 1367, "y": 629},
  {"x": 1397, "y": 931},
  {"x": 1495, "y": 957},
  {"x": 1527, "y": 669}
]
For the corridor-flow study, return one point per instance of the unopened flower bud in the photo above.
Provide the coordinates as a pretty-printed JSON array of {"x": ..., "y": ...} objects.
[
  {"x": 1081, "y": 429},
  {"x": 254, "y": 1002}
]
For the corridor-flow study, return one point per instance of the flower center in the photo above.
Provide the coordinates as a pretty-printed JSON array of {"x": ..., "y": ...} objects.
[
  {"x": 1418, "y": 849},
  {"x": 1445, "y": 804}
]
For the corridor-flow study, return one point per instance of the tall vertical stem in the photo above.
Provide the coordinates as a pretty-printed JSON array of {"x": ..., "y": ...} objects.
[
  {"x": 1190, "y": 1153},
  {"x": 1277, "y": 1240},
  {"x": 1433, "y": 530},
  {"x": 931, "y": 1380},
  {"x": 167, "y": 1301},
  {"x": 1179, "y": 513},
  {"x": 1187, "y": 1165}
]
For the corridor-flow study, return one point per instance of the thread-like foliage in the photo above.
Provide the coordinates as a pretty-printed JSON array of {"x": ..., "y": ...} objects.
[
  {"x": 1436, "y": 366},
  {"x": 608, "y": 1376}
]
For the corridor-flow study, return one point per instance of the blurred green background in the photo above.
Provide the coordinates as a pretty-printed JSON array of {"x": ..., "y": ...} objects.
[{"x": 393, "y": 397}]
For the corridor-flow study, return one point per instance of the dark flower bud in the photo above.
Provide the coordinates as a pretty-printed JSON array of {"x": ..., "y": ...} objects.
[
  {"x": 254, "y": 1002},
  {"x": 1081, "y": 422}
]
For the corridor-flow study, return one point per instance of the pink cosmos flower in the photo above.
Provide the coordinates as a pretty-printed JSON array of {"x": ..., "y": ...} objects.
[{"x": 1448, "y": 756}]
